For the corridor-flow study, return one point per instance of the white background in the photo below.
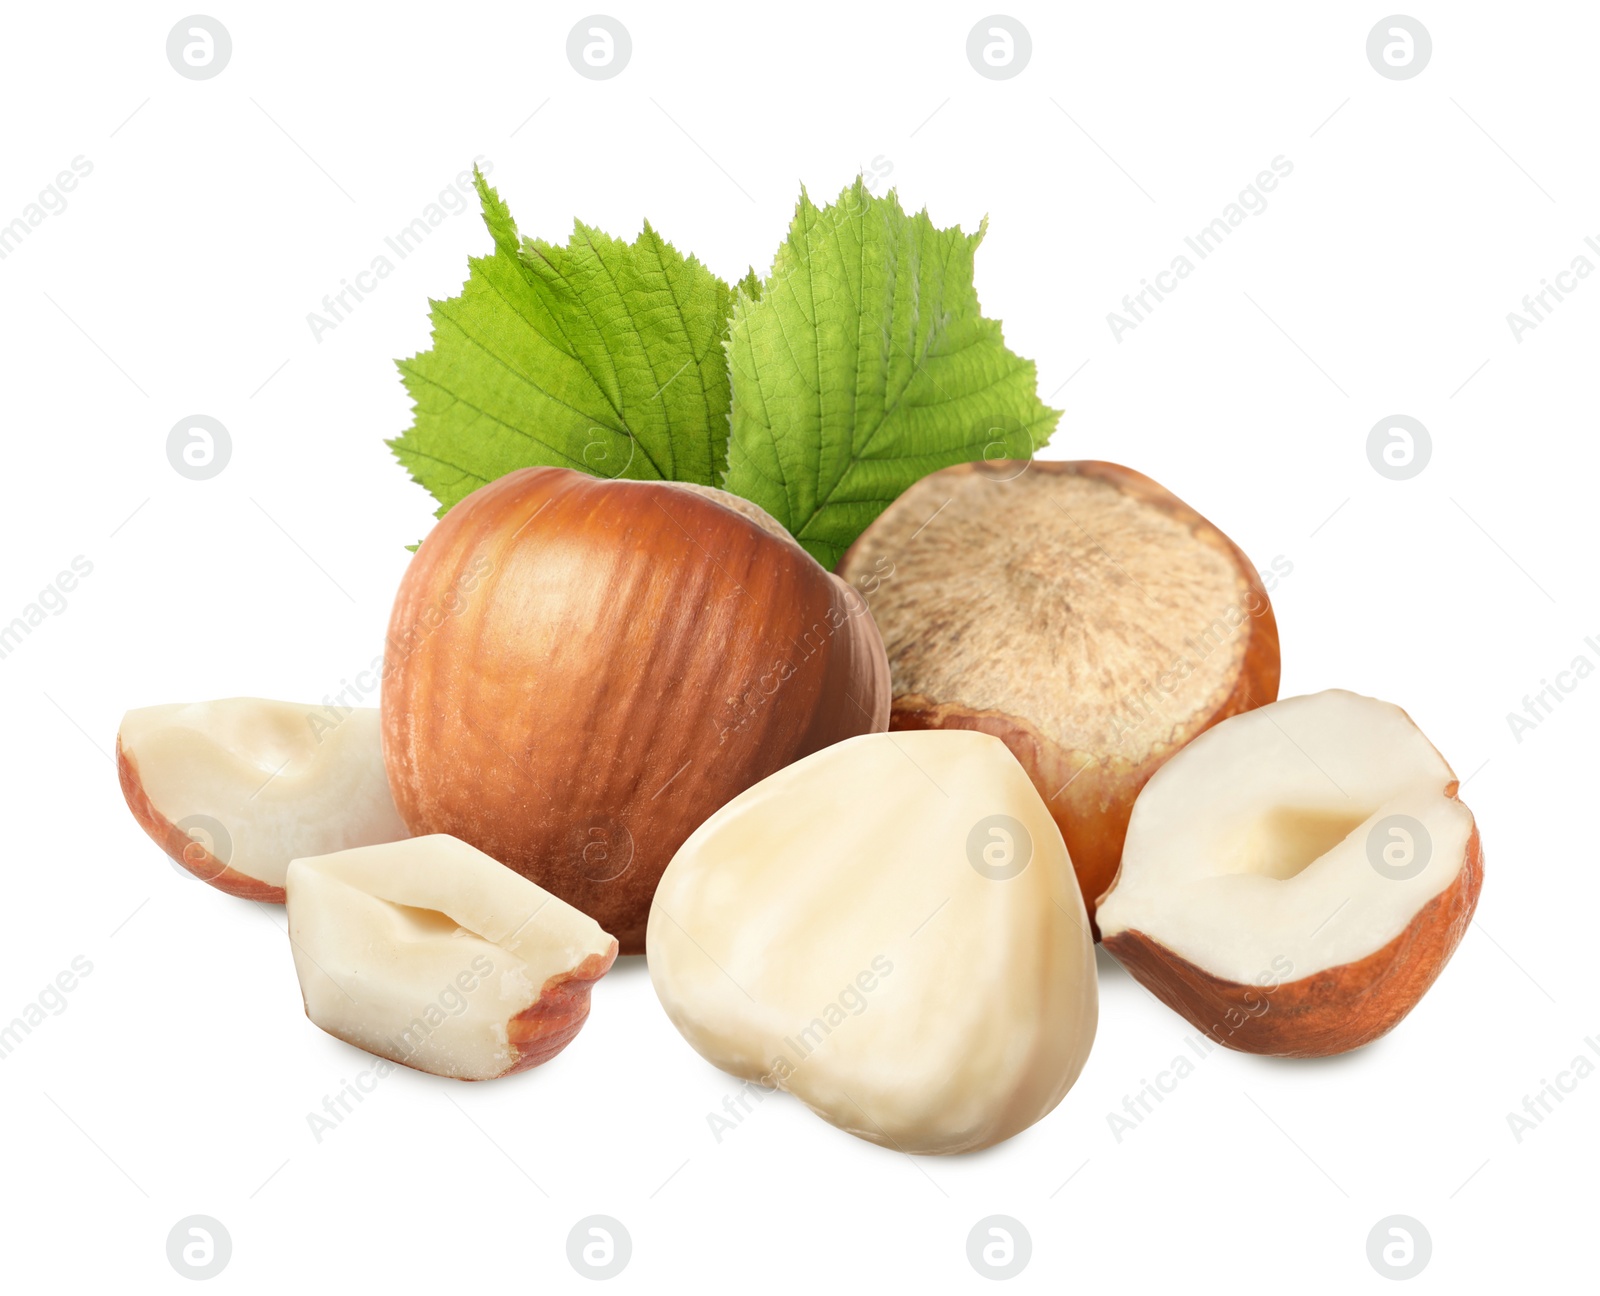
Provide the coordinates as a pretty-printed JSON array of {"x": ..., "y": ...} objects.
[{"x": 178, "y": 281}]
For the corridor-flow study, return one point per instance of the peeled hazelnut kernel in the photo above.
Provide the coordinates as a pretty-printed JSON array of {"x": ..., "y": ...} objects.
[
  {"x": 430, "y": 953},
  {"x": 889, "y": 930}
]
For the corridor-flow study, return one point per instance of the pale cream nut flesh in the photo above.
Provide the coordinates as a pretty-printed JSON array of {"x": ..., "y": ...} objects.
[
  {"x": 430, "y": 953},
  {"x": 281, "y": 779},
  {"x": 1314, "y": 850},
  {"x": 890, "y": 930}
]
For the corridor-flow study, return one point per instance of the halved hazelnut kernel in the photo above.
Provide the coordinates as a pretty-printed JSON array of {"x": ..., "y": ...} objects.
[
  {"x": 1296, "y": 878},
  {"x": 430, "y": 953},
  {"x": 234, "y": 789}
]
